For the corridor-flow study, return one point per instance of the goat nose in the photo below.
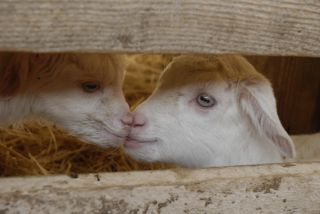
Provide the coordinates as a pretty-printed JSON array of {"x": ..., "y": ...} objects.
[
  {"x": 138, "y": 120},
  {"x": 127, "y": 119}
]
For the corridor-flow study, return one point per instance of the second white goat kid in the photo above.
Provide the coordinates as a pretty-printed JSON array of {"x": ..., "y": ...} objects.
[
  {"x": 210, "y": 111},
  {"x": 80, "y": 92}
]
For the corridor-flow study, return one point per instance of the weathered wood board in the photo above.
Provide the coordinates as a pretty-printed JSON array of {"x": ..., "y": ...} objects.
[
  {"x": 276, "y": 27},
  {"x": 277, "y": 188}
]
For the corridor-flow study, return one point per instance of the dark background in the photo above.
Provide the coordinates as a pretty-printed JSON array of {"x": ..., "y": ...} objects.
[{"x": 296, "y": 83}]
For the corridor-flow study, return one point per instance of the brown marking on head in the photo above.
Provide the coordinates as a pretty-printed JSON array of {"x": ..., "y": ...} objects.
[
  {"x": 187, "y": 69},
  {"x": 23, "y": 71}
]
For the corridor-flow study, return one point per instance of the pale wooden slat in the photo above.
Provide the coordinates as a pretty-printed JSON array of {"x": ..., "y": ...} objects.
[
  {"x": 275, "y": 27},
  {"x": 278, "y": 188}
]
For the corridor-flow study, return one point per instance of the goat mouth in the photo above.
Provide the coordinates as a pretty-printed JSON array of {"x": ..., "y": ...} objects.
[
  {"x": 122, "y": 136},
  {"x": 136, "y": 143},
  {"x": 116, "y": 134},
  {"x": 106, "y": 127}
]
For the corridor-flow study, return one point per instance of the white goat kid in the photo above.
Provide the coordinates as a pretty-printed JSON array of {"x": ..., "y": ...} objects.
[
  {"x": 209, "y": 111},
  {"x": 80, "y": 92}
]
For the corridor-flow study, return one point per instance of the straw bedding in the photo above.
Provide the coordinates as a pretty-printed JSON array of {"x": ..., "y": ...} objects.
[{"x": 40, "y": 148}]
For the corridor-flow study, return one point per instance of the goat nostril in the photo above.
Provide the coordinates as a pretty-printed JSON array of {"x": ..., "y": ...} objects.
[
  {"x": 127, "y": 120},
  {"x": 138, "y": 124},
  {"x": 138, "y": 120}
]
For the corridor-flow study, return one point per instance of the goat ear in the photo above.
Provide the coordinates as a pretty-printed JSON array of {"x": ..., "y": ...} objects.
[
  {"x": 14, "y": 71},
  {"x": 258, "y": 102}
]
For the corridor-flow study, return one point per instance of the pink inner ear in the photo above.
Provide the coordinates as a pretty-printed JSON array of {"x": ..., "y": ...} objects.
[
  {"x": 266, "y": 120},
  {"x": 283, "y": 144}
]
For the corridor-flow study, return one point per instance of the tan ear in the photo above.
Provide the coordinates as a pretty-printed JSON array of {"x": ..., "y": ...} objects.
[
  {"x": 13, "y": 74},
  {"x": 258, "y": 102}
]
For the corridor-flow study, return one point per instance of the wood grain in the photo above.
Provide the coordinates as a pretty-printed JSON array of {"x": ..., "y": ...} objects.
[
  {"x": 278, "y": 188},
  {"x": 276, "y": 27},
  {"x": 296, "y": 82}
]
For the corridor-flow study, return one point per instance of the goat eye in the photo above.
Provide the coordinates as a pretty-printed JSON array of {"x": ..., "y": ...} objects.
[
  {"x": 206, "y": 101},
  {"x": 91, "y": 87}
]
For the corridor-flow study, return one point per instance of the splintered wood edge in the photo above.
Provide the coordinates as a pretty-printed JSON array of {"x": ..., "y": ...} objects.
[
  {"x": 157, "y": 177},
  {"x": 191, "y": 26},
  {"x": 278, "y": 188}
]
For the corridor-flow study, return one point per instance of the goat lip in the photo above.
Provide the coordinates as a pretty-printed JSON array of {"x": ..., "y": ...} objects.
[
  {"x": 136, "y": 143},
  {"x": 122, "y": 134},
  {"x": 116, "y": 134},
  {"x": 139, "y": 140}
]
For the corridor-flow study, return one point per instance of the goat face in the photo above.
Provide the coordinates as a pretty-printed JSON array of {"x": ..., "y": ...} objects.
[
  {"x": 209, "y": 112},
  {"x": 80, "y": 92}
]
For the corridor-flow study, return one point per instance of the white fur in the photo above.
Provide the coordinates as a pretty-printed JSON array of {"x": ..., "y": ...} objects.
[
  {"x": 49, "y": 86},
  {"x": 242, "y": 128}
]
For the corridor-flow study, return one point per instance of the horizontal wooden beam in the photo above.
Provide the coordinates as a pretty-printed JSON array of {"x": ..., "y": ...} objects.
[
  {"x": 277, "y": 27},
  {"x": 277, "y": 188}
]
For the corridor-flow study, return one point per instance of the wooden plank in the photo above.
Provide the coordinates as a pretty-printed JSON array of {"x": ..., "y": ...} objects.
[
  {"x": 277, "y": 188},
  {"x": 296, "y": 83},
  {"x": 276, "y": 27}
]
